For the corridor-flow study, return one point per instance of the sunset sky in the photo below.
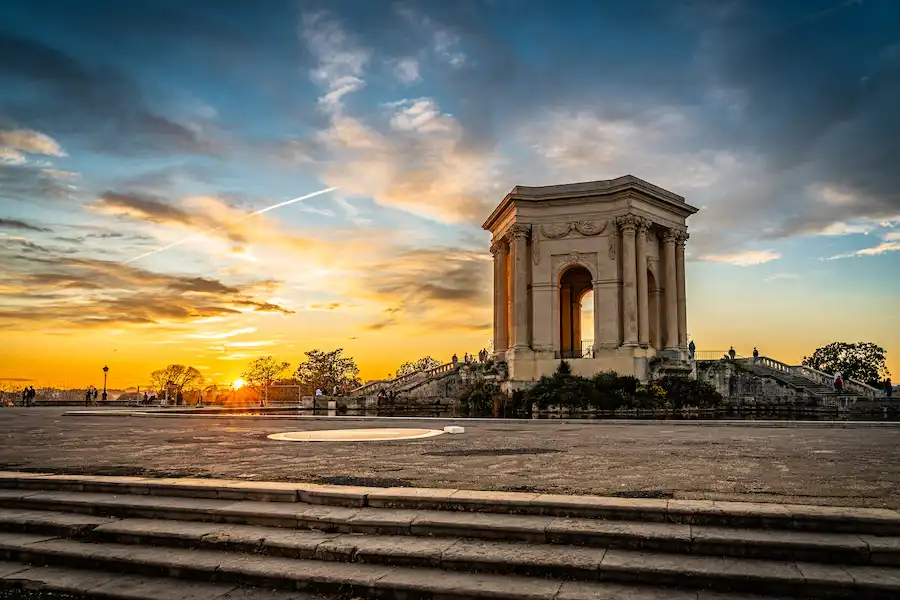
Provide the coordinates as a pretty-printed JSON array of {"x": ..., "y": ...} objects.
[{"x": 126, "y": 126}]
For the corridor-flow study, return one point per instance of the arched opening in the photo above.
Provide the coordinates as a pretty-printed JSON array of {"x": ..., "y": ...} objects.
[
  {"x": 653, "y": 309},
  {"x": 574, "y": 285}
]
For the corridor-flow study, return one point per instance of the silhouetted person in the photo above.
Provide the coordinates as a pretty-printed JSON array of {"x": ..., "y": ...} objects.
[
  {"x": 94, "y": 398},
  {"x": 31, "y": 395},
  {"x": 692, "y": 348},
  {"x": 732, "y": 353},
  {"x": 888, "y": 387},
  {"x": 87, "y": 397},
  {"x": 455, "y": 360},
  {"x": 25, "y": 396},
  {"x": 755, "y": 353}
]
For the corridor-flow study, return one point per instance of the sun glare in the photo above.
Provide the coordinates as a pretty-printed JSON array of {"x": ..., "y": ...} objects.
[{"x": 238, "y": 383}]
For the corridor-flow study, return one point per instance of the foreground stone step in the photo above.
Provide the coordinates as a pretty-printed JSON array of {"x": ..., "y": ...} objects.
[
  {"x": 697, "y": 512},
  {"x": 401, "y": 583},
  {"x": 115, "y": 586},
  {"x": 188, "y": 521}
]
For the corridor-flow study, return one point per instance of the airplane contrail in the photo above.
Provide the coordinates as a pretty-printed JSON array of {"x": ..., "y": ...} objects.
[{"x": 247, "y": 216}]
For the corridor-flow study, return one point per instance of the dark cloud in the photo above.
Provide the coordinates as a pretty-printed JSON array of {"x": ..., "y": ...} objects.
[
  {"x": 427, "y": 285},
  {"x": 816, "y": 85},
  {"x": 151, "y": 208},
  {"x": 26, "y": 183},
  {"x": 21, "y": 225},
  {"x": 44, "y": 282},
  {"x": 58, "y": 93}
]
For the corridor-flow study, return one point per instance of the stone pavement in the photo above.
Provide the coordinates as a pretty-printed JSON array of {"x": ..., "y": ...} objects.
[{"x": 849, "y": 466}]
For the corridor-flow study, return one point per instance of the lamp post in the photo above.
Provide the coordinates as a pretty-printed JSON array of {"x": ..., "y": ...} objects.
[{"x": 105, "y": 371}]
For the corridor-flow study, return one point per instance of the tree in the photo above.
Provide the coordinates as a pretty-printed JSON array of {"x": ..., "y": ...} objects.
[
  {"x": 181, "y": 377},
  {"x": 863, "y": 361},
  {"x": 422, "y": 364},
  {"x": 324, "y": 370},
  {"x": 263, "y": 372}
]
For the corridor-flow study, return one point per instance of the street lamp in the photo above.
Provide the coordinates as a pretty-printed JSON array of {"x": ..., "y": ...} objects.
[{"x": 105, "y": 371}]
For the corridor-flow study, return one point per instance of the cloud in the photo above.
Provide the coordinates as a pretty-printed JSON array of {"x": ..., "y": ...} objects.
[
  {"x": 890, "y": 243},
  {"x": 816, "y": 99},
  {"x": 30, "y": 142},
  {"x": 782, "y": 277},
  {"x": 427, "y": 286},
  {"x": 67, "y": 292},
  {"x": 27, "y": 183},
  {"x": 53, "y": 91},
  {"x": 22, "y": 225},
  {"x": 341, "y": 60},
  {"x": 743, "y": 259},
  {"x": 406, "y": 70}
]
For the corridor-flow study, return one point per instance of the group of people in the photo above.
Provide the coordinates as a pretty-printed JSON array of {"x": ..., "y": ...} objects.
[
  {"x": 90, "y": 395},
  {"x": 470, "y": 358},
  {"x": 28, "y": 395}
]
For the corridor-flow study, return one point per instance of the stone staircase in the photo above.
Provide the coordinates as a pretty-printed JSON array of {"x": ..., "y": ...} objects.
[
  {"x": 814, "y": 382},
  {"x": 174, "y": 539}
]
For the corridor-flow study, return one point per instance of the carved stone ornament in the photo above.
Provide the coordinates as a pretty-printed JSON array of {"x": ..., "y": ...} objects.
[
  {"x": 587, "y": 259},
  {"x": 535, "y": 247},
  {"x": 681, "y": 237},
  {"x": 497, "y": 246},
  {"x": 670, "y": 236},
  {"x": 652, "y": 262},
  {"x": 519, "y": 231},
  {"x": 612, "y": 247},
  {"x": 628, "y": 223},
  {"x": 585, "y": 228}
]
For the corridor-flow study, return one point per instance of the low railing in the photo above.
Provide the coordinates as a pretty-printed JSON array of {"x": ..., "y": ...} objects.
[
  {"x": 376, "y": 386},
  {"x": 816, "y": 376},
  {"x": 713, "y": 355}
]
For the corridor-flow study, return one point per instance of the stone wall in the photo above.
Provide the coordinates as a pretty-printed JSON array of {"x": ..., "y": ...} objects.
[{"x": 740, "y": 387}]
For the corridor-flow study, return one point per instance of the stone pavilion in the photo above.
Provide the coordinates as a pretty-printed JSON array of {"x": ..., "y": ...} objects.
[{"x": 622, "y": 239}]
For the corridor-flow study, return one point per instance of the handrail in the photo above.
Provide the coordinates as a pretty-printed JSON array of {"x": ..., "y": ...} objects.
[
  {"x": 820, "y": 377},
  {"x": 384, "y": 383}
]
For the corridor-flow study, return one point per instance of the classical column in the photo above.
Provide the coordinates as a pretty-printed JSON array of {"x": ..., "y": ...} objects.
[
  {"x": 500, "y": 250},
  {"x": 643, "y": 297},
  {"x": 671, "y": 290},
  {"x": 682, "y": 299},
  {"x": 518, "y": 271},
  {"x": 628, "y": 225}
]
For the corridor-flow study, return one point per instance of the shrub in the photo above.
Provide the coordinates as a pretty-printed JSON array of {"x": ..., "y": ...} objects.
[
  {"x": 683, "y": 392},
  {"x": 477, "y": 400},
  {"x": 562, "y": 389}
]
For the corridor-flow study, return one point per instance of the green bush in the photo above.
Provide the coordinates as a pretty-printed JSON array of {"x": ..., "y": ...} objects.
[
  {"x": 477, "y": 400},
  {"x": 683, "y": 392},
  {"x": 562, "y": 389}
]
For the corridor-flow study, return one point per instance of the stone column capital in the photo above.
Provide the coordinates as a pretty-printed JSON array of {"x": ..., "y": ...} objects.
[
  {"x": 643, "y": 225},
  {"x": 499, "y": 246},
  {"x": 628, "y": 223},
  {"x": 521, "y": 232},
  {"x": 670, "y": 236},
  {"x": 681, "y": 237}
]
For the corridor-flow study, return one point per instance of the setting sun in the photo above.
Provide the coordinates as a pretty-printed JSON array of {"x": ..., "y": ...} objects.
[{"x": 238, "y": 383}]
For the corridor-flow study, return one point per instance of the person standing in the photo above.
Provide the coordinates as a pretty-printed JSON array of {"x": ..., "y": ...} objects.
[
  {"x": 755, "y": 354},
  {"x": 692, "y": 348},
  {"x": 732, "y": 353},
  {"x": 31, "y": 396},
  {"x": 87, "y": 396},
  {"x": 888, "y": 387},
  {"x": 838, "y": 383}
]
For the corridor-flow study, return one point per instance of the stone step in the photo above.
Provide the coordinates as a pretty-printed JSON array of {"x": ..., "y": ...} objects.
[
  {"x": 689, "y": 573},
  {"x": 698, "y": 512},
  {"x": 90, "y": 583},
  {"x": 449, "y": 528}
]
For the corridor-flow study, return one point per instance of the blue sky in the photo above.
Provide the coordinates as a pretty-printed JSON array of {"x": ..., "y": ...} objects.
[{"x": 125, "y": 126}]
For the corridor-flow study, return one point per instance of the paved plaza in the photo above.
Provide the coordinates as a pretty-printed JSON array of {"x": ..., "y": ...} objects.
[{"x": 853, "y": 465}]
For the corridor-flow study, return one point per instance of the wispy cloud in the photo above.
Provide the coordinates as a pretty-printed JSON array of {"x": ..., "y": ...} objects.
[
  {"x": 890, "y": 243},
  {"x": 782, "y": 277},
  {"x": 746, "y": 258}
]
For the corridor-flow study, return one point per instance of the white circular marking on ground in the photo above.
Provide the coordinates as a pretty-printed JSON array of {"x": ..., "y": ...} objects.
[{"x": 355, "y": 435}]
